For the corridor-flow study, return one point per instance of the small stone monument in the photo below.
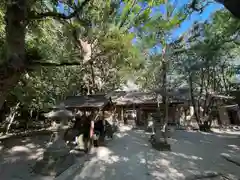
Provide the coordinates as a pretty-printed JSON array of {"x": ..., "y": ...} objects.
[
  {"x": 57, "y": 157},
  {"x": 159, "y": 141}
]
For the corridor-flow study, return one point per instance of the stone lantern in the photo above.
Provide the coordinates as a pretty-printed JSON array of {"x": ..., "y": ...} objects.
[{"x": 57, "y": 157}]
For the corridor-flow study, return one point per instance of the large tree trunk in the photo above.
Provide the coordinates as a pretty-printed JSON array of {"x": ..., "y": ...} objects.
[
  {"x": 165, "y": 64},
  {"x": 3, "y": 97},
  {"x": 159, "y": 140},
  {"x": 11, "y": 69},
  {"x": 226, "y": 86},
  {"x": 193, "y": 100},
  {"x": 165, "y": 102},
  {"x": 3, "y": 111}
]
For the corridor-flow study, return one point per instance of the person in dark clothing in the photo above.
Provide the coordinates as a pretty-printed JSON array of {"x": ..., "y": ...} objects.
[
  {"x": 72, "y": 134},
  {"x": 98, "y": 126},
  {"x": 88, "y": 129},
  {"x": 78, "y": 123},
  {"x": 86, "y": 132},
  {"x": 109, "y": 129}
]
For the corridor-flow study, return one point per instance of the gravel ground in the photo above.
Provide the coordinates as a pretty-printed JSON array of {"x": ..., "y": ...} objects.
[
  {"x": 193, "y": 154},
  {"x": 129, "y": 156},
  {"x": 18, "y": 156}
]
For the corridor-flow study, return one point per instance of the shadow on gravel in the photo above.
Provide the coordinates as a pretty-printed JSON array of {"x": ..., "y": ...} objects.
[
  {"x": 130, "y": 156},
  {"x": 18, "y": 156}
]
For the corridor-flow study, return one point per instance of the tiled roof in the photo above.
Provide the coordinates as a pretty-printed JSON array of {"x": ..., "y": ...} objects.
[{"x": 89, "y": 101}]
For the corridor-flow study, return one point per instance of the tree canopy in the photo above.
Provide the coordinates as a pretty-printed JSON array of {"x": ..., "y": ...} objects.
[{"x": 52, "y": 49}]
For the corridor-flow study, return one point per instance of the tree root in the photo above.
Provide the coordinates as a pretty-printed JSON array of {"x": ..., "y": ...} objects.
[
  {"x": 203, "y": 176},
  {"x": 208, "y": 175},
  {"x": 229, "y": 159}
]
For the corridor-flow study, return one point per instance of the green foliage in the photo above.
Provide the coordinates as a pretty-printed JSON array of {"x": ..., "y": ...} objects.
[
  {"x": 211, "y": 46},
  {"x": 51, "y": 40},
  {"x": 206, "y": 52},
  {"x": 106, "y": 29},
  {"x": 42, "y": 89},
  {"x": 156, "y": 34}
]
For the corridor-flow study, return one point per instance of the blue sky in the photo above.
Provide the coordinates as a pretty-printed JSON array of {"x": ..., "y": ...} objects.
[{"x": 205, "y": 15}]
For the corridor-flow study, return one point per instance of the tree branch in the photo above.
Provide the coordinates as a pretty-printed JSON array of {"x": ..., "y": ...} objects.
[
  {"x": 36, "y": 15},
  {"x": 50, "y": 64},
  {"x": 194, "y": 5},
  {"x": 230, "y": 5},
  {"x": 126, "y": 15}
]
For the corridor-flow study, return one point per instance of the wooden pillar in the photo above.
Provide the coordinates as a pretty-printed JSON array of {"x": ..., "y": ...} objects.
[
  {"x": 172, "y": 113},
  {"x": 118, "y": 114},
  {"x": 145, "y": 116},
  {"x": 122, "y": 114},
  {"x": 223, "y": 115},
  {"x": 103, "y": 118},
  {"x": 238, "y": 117},
  {"x": 177, "y": 115},
  {"x": 113, "y": 115},
  {"x": 138, "y": 116}
]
